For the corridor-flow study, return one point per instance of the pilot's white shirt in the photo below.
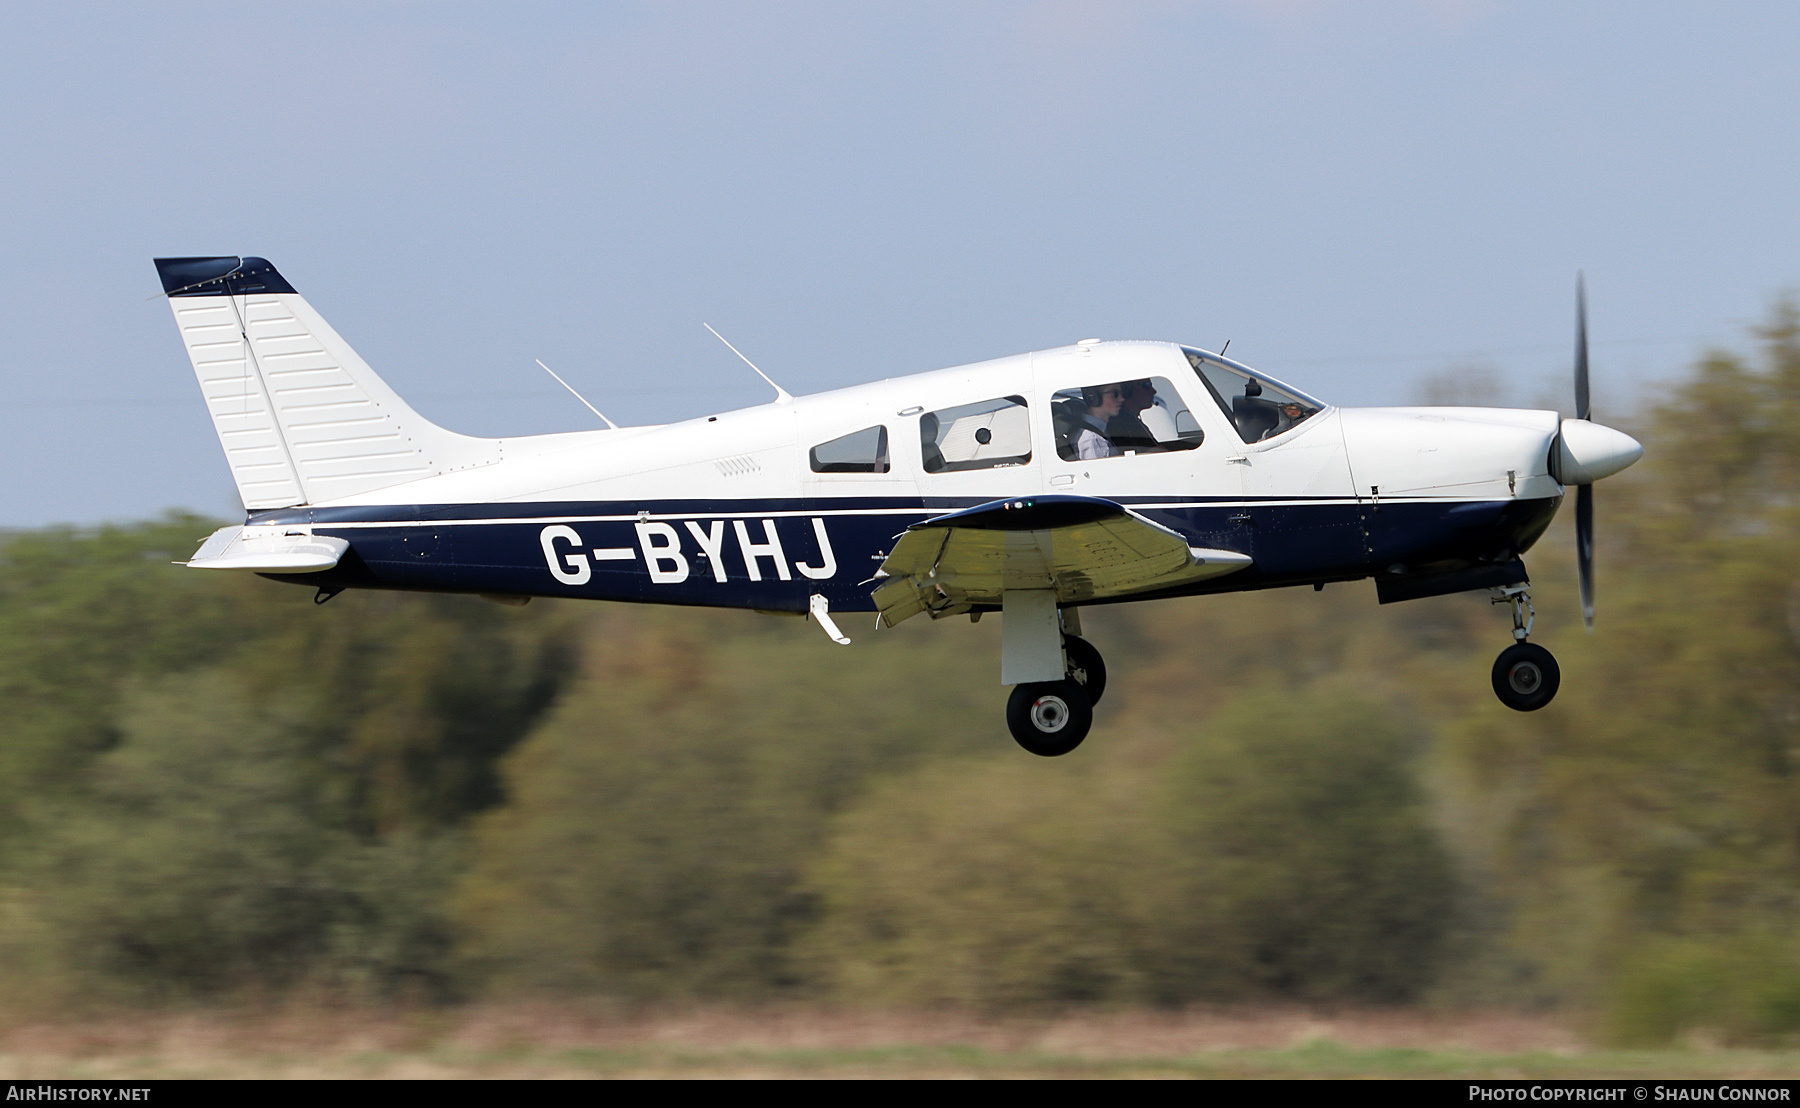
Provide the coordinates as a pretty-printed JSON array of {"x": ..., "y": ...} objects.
[{"x": 1092, "y": 444}]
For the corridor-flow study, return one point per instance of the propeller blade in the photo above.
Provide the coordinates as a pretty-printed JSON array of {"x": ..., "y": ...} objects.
[
  {"x": 1584, "y": 549},
  {"x": 1581, "y": 359}
]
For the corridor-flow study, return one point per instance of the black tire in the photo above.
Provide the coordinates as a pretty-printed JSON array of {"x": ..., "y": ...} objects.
[
  {"x": 1526, "y": 677},
  {"x": 1049, "y": 718},
  {"x": 1086, "y": 667}
]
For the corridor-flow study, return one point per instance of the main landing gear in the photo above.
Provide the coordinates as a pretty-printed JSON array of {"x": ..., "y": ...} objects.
[
  {"x": 1526, "y": 676},
  {"x": 1050, "y": 718}
]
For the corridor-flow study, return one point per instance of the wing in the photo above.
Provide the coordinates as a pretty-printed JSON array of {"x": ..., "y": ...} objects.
[{"x": 1083, "y": 547}]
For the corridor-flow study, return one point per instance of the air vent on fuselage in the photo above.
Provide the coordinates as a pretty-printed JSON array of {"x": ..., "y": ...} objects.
[{"x": 743, "y": 465}]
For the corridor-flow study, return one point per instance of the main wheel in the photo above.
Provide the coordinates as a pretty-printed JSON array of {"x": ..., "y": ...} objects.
[
  {"x": 1526, "y": 677},
  {"x": 1086, "y": 667},
  {"x": 1049, "y": 718}
]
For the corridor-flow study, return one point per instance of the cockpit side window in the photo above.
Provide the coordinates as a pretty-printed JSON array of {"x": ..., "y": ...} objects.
[
  {"x": 1122, "y": 418},
  {"x": 985, "y": 435},
  {"x": 864, "y": 451},
  {"x": 1257, "y": 408}
]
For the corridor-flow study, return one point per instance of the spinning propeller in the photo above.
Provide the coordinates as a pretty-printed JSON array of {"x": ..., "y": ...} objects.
[
  {"x": 1585, "y": 452},
  {"x": 1584, "y": 494}
]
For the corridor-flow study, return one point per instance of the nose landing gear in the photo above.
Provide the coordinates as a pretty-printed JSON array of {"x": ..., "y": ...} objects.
[{"x": 1526, "y": 675}]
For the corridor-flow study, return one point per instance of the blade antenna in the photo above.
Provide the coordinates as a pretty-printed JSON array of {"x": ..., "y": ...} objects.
[
  {"x": 782, "y": 396},
  {"x": 609, "y": 423}
]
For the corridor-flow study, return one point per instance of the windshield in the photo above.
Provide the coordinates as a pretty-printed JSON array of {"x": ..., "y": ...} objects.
[{"x": 1258, "y": 407}]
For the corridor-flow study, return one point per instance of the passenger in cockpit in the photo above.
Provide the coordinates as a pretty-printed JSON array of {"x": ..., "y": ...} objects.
[
  {"x": 1127, "y": 430},
  {"x": 1103, "y": 405}
]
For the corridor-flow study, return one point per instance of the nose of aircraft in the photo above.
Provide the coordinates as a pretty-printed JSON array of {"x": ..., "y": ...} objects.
[{"x": 1587, "y": 451}]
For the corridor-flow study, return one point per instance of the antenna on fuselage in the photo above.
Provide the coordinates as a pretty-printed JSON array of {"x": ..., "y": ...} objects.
[
  {"x": 609, "y": 423},
  {"x": 782, "y": 396},
  {"x": 1224, "y": 348}
]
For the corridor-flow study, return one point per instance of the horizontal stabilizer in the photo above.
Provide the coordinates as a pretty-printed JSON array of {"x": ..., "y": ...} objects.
[
  {"x": 269, "y": 550},
  {"x": 1082, "y": 547}
]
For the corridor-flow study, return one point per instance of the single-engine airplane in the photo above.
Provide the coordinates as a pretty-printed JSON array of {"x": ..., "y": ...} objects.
[{"x": 1031, "y": 485}]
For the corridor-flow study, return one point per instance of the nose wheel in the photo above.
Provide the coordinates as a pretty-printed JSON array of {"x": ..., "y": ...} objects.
[{"x": 1526, "y": 675}]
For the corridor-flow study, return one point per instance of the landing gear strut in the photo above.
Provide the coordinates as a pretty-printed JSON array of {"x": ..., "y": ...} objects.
[
  {"x": 1526, "y": 675},
  {"x": 1086, "y": 667}
]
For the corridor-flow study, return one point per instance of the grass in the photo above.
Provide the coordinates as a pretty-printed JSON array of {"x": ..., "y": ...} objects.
[{"x": 567, "y": 1041}]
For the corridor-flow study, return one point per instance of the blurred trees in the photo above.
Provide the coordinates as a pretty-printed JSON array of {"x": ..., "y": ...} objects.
[
  {"x": 209, "y": 852},
  {"x": 1313, "y": 869},
  {"x": 1284, "y": 852},
  {"x": 660, "y": 821},
  {"x": 211, "y": 785}
]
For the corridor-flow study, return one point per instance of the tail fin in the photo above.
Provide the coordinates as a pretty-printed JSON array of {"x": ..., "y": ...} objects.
[{"x": 301, "y": 417}]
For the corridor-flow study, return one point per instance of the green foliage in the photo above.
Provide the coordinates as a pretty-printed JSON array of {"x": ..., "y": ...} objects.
[
  {"x": 661, "y": 818},
  {"x": 1742, "y": 988},
  {"x": 211, "y": 851},
  {"x": 80, "y": 616},
  {"x": 210, "y": 784},
  {"x": 1284, "y": 852},
  {"x": 1313, "y": 870},
  {"x": 997, "y": 883}
]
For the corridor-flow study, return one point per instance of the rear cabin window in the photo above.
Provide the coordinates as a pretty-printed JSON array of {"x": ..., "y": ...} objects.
[
  {"x": 987, "y": 435},
  {"x": 1258, "y": 409},
  {"x": 1121, "y": 418},
  {"x": 864, "y": 451}
]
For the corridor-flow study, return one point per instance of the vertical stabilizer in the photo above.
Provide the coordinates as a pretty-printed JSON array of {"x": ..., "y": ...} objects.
[{"x": 301, "y": 417}]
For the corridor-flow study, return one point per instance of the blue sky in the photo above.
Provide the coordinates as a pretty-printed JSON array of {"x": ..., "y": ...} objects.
[{"x": 1355, "y": 194}]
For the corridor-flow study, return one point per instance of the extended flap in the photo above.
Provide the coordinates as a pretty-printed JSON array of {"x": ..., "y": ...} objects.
[{"x": 1083, "y": 547}]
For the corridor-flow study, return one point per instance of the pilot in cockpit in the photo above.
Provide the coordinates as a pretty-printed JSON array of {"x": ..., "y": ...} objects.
[
  {"x": 1103, "y": 404},
  {"x": 1287, "y": 413}
]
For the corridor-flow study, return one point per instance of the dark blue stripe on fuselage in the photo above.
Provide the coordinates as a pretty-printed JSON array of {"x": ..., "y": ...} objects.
[{"x": 501, "y": 548}]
